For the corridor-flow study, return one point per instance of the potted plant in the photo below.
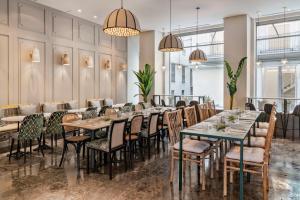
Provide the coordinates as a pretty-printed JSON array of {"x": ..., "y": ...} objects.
[
  {"x": 233, "y": 78},
  {"x": 145, "y": 81}
]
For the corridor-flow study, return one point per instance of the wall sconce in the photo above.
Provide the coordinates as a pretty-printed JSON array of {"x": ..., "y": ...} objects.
[
  {"x": 163, "y": 68},
  {"x": 179, "y": 66},
  {"x": 107, "y": 65},
  {"x": 35, "y": 55},
  {"x": 65, "y": 59},
  {"x": 123, "y": 67},
  {"x": 89, "y": 62}
]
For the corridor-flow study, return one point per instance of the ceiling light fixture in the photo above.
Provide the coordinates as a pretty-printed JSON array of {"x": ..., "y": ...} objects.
[
  {"x": 198, "y": 55},
  {"x": 79, "y": 10},
  {"x": 284, "y": 61},
  {"x": 95, "y": 16},
  {"x": 121, "y": 23},
  {"x": 170, "y": 43}
]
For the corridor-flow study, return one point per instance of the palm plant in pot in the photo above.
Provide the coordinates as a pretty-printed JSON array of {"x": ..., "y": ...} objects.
[
  {"x": 233, "y": 78},
  {"x": 145, "y": 81}
]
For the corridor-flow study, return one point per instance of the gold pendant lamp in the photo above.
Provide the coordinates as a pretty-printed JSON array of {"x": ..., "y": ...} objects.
[
  {"x": 121, "y": 23},
  {"x": 197, "y": 55}
]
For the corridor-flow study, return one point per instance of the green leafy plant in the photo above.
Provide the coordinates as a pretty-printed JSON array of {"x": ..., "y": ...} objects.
[
  {"x": 145, "y": 81},
  {"x": 233, "y": 78}
]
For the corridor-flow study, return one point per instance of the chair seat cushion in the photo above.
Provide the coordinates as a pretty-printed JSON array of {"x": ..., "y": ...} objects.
[
  {"x": 260, "y": 132},
  {"x": 80, "y": 138},
  {"x": 251, "y": 154},
  {"x": 133, "y": 137},
  {"x": 101, "y": 144},
  {"x": 263, "y": 125},
  {"x": 254, "y": 142},
  {"x": 193, "y": 146}
]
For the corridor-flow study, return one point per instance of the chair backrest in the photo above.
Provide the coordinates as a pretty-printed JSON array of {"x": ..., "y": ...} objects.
[
  {"x": 268, "y": 108},
  {"x": 174, "y": 121},
  {"x": 136, "y": 124},
  {"x": 153, "y": 103},
  {"x": 138, "y": 107},
  {"x": 211, "y": 108},
  {"x": 31, "y": 127},
  {"x": 125, "y": 109},
  {"x": 116, "y": 135},
  {"x": 127, "y": 104},
  {"x": 250, "y": 106},
  {"x": 180, "y": 103},
  {"x": 196, "y": 103},
  {"x": 110, "y": 111},
  {"x": 54, "y": 123},
  {"x": 270, "y": 133},
  {"x": 70, "y": 117},
  {"x": 153, "y": 123},
  {"x": 296, "y": 110},
  {"x": 190, "y": 115},
  {"x": 103, "y": 109},
  {"x": 163, "y": 103},
  {"x": 90, "y": 113},
  {"x": 204, "y": 114}
]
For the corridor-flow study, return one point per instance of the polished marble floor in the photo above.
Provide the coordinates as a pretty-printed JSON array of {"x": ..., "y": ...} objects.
[{"x": 41, "y": 178}]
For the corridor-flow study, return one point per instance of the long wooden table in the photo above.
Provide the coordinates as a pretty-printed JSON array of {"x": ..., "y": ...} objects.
[{"x": 237, "y": 131}]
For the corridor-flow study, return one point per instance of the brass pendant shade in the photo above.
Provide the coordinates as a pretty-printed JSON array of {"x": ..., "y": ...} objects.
[
  {"x": 170, "y": 43},
  {"x": 122, "y": 23},
  {"x": 197, "y": 56}
]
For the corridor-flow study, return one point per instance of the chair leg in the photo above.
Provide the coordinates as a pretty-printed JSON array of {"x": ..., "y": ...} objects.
[
  {"x": 63, "y": 153},
  {"x": 40, "y": 146},
  {"x": 51, "y": 143},
  {"x": 78, "y": 148},
  {"x": 217, "y": 157},
  {"x": 125, "y": 158},
  {"x": 265, "y": 191},
  {"x": 11, "y": 148},
  {"x": 83, "y": 151},
  {"x": 141, "y": 149},
  {"x": 30, "y": 146},
  {"x": 87, "y": 160},
  {"x": 148, "y": 146},
  {"x": 211, "y": 159},
  {"x": 230, "y": 175},
  {"x": 172, "y": 168},
  {"x": 203, "y": 172},
  {"x": 55, "y": 138},
  {"x": 293, "y": 136},
  {"x": 110, "y": 165},
  {"x": 162, "y": 139},
  {"x": 225, "y": 178},
  {"x": 25, "y": 145},
  {"x": 158, "y": 142}
]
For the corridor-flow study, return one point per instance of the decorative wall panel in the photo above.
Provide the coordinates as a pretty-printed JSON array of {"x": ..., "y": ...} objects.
[
  {"x": 121, "y": 76},
  {"x": 62, "y": 75},
  {"x": 31, "y": 18},
  {"x": 4, "y": 12},
  {"x": 105, "y": 75},
  {"x": 105, "y": 40},
  {"x": 86, "y": 32},
  {"x": 31, "y": 75},
  {"x": 4, "y": 69},
  {"x": 62, "y": 26},
  {"x": 87, "y": 77},
  {"x": 121, "y": 44}
]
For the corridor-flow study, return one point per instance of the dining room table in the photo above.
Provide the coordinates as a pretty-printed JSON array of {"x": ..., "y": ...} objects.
[{"x": 229, "y": 125}]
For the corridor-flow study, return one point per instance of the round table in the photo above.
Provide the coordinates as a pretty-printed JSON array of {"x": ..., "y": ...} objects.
[
  {"x": 80, "y": 110},
  {"x": 14, "y": 119}
]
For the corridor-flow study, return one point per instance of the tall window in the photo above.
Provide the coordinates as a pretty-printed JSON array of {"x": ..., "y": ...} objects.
[
  {"x": 205, "y": 79},
  {"x": 273, "y": 78}
]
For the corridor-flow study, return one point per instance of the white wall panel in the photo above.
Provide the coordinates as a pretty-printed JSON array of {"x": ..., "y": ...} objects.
[
  {"x": 4, "y": 12},
  {"x": 105, "y": 76},
  {"x": 4, "y": 69},
  {"x": 62, "y": 26},
  {"x": 86, "y": 32}
]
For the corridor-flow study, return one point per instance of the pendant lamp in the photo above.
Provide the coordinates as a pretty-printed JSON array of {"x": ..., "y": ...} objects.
[
  {"x": 197, "y": 55},
  {"x": 170, "y": 43},
  {"x": 121, "y": 23}
]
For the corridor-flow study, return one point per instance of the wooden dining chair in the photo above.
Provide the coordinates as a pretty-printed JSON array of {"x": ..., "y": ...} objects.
[
  {"x": 204, "y": 113},
  {"x": 211, "y": 108},
  {"x": 76, "y": 139},
  {"x": 110, "y": 145},
  {"x": 256, "y": 161},
  {"x": 151, "y": 132},
  {"x": 110, "y": 111},
  {"x": 193, "y": 151}
]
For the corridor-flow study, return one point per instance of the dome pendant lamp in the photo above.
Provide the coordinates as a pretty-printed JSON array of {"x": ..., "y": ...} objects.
[
  {"x": 197, "y": 55},
  {"x": 170, "y": 43},
  {"x": 121, "y": 23}
]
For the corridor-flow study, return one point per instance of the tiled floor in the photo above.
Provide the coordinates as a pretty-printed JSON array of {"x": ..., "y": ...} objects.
[{"x": 40, "y": 178}]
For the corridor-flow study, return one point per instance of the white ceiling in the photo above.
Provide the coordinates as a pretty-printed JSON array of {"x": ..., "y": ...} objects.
[{"x": 154, "y": 14}]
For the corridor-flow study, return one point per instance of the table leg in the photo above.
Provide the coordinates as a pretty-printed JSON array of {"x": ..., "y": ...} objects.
[
  {"x": 249, "y": 144},
  {"x": 241, "y": 170},
  {"x": 93, "y": 152},
  {"x": 180, "y": 162}
]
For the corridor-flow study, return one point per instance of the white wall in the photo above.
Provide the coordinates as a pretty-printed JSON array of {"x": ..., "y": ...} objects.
[{"x": 25, "y": 25}]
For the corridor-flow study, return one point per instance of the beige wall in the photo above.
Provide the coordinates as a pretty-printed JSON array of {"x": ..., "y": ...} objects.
[{"x": 25, "y": 25}]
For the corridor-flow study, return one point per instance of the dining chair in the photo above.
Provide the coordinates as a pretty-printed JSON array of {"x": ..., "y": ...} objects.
[
  {"x": 163, "y": 126},
  {"x": 204, "y": 113},
  {"x": 255, "y": 161},
  {"x": 191, "y": 117},
  {"x": 77, "y": 140},
  {"x": 295, "y": 114},
  {"x": 127, "y": 104},
  {"x": 153, "y": 104},
  {"x": 31, "y": 129},
  {"x": 102, "y": 110},
  {"x": 195, "y": 104},
  {"x": 126, "y": 109},
  {"x": 138, "y": 107},
  {"x": 250, "y": 106},
  {"x": 132, "y": 135},
  {"x": 151, "y": 132},
  {"x": 90, "y": 113},
  {"x": 163, "y": 103},
  {"x": 110, "y": 111},
  {"x": 110, "y": 145},
  {"x": 211, "y": 108},
  {"x": 193, "y": 151},
  {"x": 262, "y": 132},
  {"x": 54, "y": 127},
  {"x": 181, "y": 103}
]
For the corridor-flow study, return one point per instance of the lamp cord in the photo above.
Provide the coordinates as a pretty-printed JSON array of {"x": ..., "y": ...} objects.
[
  {"x": 121, "y": 3},
  {"x": 284, "y": 9},
  {"x": 170, "y": 16},
  {"x": 198, "y": 27}
]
